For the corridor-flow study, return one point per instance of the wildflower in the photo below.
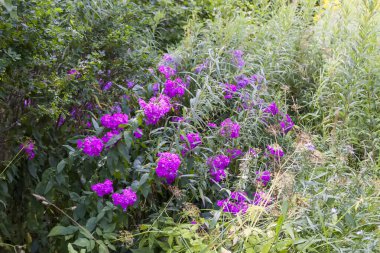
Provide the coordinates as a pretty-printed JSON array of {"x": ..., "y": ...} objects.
[
  {"x": 238, "y": 58},
  {"x": 275, "y": 150},
  {"x": 217, "y": 165},
  {"x": 193, "y": 222},
  {"x": 130, "y": 84},
  {"x": 29, "y": 149},
  {"x": 157, "y": 108},
  {"x": 229, "y": 129},
  {"x": 102, "y": 189},
  {"x": 112, "y": 121},
  {"x": 92, "y": 146},
  {"x": 107, "y": 86},
  {"x": 242, "y": 81},
  {"x": 155, "y": 88},
  {"x": 27, "y": 102},
  {"x": 257, "y": 78},
  {"x": 236, "y": 203},
  {"x": 263, "y": 177},
  {"x": 212, "y": 125},
  {"x": 174, "y": 88},
  {"x": 61, "y": 121},
  {"x": 310, "y": 146},
  {"x": 167, "y": 58},
  {"x": 167, "y": 166},
  {"x": 166, "y": 71},
  {"x": 234, "y": 153},
  {"x": 229, "y": 90},
  {"x": 253, "y": 152},
  {"x": 127, "y": 198},
  {"x": 287, "y": 124},
  {"x": 109, "y": 135},
  {"x": 272, "y": 108},
  {"x": 138, "y": 133},
  {"x": 177, "y": 119},
  {"x": 261, "y": 199},
  {"x": 72, "y": 72},
  {"x": 199, "y": 68},
  {"x": 193, "y": 140}
]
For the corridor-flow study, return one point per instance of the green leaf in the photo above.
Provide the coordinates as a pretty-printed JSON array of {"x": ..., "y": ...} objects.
[
  {"x": 82, "y": 242},
  {"x": 102, "y": 247},
  {"x": 61, "y": 230},
  {"x": 71, "y": 249},
  {"x": 144, "y": 178},
  {"x": 91, "y": 224},
  {"x": 61, "y": 165}
]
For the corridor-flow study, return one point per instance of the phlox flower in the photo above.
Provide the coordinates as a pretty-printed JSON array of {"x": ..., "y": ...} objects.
[
  {"x": 174, "y": 88},
  {"x": 286, "y": 124},
  {"x": 102, "y": 189},
  {"x": 157, "y": 108},
  {"x": 263, "y": 177},
  {"x": 275, "y": 150},
  {"x": 272, "y": 108},
  {"x": 112, "y": 121},
  {"x": 127, "y": 198},
  {"x": 167, "y": 166},
  {"x": 138, "y": 133},
  {"x": 92, "y": 146},
  {"x": 166, "y": 71},
  {"x": 29, "y": 149},
  {"x": 229, "y": 129}
]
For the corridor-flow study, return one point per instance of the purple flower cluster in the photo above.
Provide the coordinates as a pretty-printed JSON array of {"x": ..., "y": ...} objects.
[
  {"x": 102, "y": 189},
  {"x": 286, "y": 124},
  {"x": 167, "y": 71},
  {"x": 192, "y": 139},
  {"x": 91, "y": 145},
  {"x": 157, "y": 108},
  {"x": 238, "y": 58},
  {"x": 229, "y": 129},
  {"x": 112, "y": 121},
  {"x": 272, "y": 108},
  {"x": 174, "y": 88},
  {"x": 29, "y": 149},
  {"x": 168, "y": 58},
  {"x": 237, "y": 203},
  {"x": 229, "y": 90},
  {"x": 167, "y": 166},
  {"x": 263, "y": 177},
  {"x": 217, "y": 166},
  {"x": 234, "y": 153},
  {"x": 107, "y": 86},
  {"x": 127, "y": 198},
  {"x": 138, "y": 133},
  {"x": 275, "y": 150}
]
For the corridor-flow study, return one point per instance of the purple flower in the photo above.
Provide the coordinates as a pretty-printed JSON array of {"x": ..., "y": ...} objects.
[
  {"x": 138, "y": 133},
  {"x": 257, "y": 78},
  {"x": 155, "y": 88},
  {"x": 272, "y": 108},
  {"x": 261, "y": 199},
  {"x": 29, "y": 149},
  {"x": 130, "y": 84},
  {"x": 286, "y": 124},
  {"x": 112, "y": 121},
  {"x": 74, "y": 72},
  {"x": 212, "y": 125},
  {"x": 127, "y": 198},
  {"x": 177, "y": 119},
  {"x": 193, "y": 140},
  {"x": 174, "y": 88},
  {"x": 229, "y": 90},
  {"x": 238, "y": 58},
  {"x": 102, "y": 189},
  {"x": 193, "y": 222},
  {"x": 242, "y": 81},
  {"x": 199, "y": 68},
  {"x": 107, "y": 86},
  {"x": 27, "y": 102},
  {"x": 263, "y": 177},
  {"x": 166, "y": 71},
  {"x": 234, "y": 153},
  {"x": 253, "y": 152},
  {"x": 167, "y": 58},
  {"x": 310, "y": 146},
  {"x": 92, "y": 146},
  {"x": 167, "y": 166},
  {"x": 236, "y": 203},
  {"x": 61, "y": 121},
  {"x": 108, "y": 136},
  {"x": 157, "y": 108},
  {"x": 275, "y": 150},
  {"x": 229, "y": 129},
  {"x": 217, "y": 165}
]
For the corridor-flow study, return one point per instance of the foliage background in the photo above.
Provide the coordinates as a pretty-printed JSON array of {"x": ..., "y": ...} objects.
[{"x": 321, "y": 62}]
